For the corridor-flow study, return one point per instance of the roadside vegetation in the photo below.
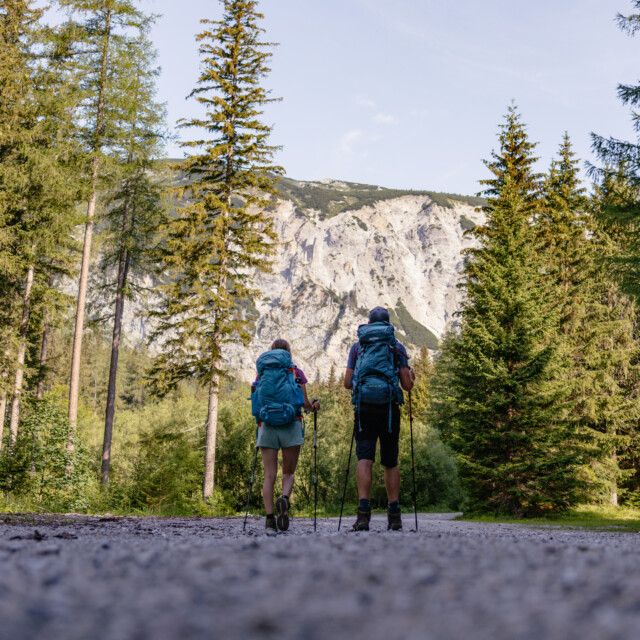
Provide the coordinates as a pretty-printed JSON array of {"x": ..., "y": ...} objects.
[
  {"x": 530, "y": 408},
  {"x": 601, "y": 517}
]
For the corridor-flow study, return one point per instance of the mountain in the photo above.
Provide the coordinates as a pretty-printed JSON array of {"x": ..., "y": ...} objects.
[{"x": 347, "y": 247}]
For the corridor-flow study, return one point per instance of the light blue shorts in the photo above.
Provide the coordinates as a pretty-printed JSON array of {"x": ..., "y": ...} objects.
[{"x": 281, "y": 437}]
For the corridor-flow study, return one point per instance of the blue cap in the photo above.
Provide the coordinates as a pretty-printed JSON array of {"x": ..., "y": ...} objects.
[{"x": 379, "y": 314}]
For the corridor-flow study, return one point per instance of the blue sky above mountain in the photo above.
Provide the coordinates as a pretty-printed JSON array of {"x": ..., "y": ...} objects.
[{"x": 408, "y": 94}]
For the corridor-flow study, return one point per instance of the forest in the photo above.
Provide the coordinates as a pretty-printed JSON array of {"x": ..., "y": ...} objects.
[{"x": 529, "y": 406}]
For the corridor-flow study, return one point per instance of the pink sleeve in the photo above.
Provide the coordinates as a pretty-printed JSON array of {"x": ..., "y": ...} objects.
[{"x": 300, "y": 377}]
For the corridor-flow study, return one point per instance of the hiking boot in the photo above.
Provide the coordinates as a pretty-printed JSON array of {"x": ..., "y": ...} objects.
[
  {"x": 362, "y": 521},
  {"x": 270, "y": 524},
  {"x": 282, "y": 509},
  {"x": 394, "y": 520}
]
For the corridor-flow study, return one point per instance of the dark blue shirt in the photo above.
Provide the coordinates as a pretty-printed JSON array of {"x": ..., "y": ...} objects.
[{"x": 401, "y": 356}]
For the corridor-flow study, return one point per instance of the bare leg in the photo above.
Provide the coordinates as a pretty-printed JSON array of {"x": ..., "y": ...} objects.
[
  {"x": 392, "y": 483},
  {"x": 289, "y": 463},
  {"x": 270, "y": 464},
  {"x": 364, "y": 478}
]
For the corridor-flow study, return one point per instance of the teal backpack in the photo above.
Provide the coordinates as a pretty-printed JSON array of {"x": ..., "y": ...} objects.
[
  {"x": 276, "y": 398},
  {"x": 375, "y": 378}
]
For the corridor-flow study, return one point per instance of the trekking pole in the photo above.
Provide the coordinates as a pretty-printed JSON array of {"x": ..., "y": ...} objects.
[
  {"x": 346, "y": 476},
  {"x": 315, "y": 469},
  {"x": 251, "y": 481},
  {"x": 413, "y": 462}
]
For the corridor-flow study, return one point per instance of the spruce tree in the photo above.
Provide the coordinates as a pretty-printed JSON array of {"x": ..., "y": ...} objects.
[
  {"x": 99, "y": 37},
  {"x": 613, "y": 199},
  {"x": 217, "y": 241},
  {"x": 622, "y": 158},
  {"x": 134, "y": 211},
  {"x": 423, "y": 369},
  {"x": 515, "y": 448},
  {"x": 595, "y": 326}
]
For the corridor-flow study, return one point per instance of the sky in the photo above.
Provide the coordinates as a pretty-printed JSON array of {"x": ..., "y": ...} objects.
[{"x": 409, "y": 93}]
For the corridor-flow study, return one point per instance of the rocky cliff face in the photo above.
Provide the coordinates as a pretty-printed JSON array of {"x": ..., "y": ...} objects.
[{"x": 346, "y": 248}]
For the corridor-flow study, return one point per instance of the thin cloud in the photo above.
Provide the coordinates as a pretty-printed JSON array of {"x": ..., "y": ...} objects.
[
  {"x": 349, "y": 140},
  {"x": 365, "y": 102},
  {"x": 385, "y": 118}
]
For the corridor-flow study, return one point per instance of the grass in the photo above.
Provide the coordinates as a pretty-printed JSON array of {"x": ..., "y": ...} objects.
[{"x": 607, "y": 518}]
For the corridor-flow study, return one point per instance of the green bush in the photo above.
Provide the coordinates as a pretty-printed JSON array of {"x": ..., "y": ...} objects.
[
  {"x": 158, "y": 450},
  {"x": 39, "y": 469}
]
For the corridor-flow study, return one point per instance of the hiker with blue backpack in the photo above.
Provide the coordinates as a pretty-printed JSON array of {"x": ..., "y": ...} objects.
[
  {"x": 278, "y": 396},
  {"x": 377, "y": 372}
]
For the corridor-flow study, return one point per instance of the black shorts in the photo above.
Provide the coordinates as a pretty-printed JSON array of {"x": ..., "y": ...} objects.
[{"x": 373, "y": 425}]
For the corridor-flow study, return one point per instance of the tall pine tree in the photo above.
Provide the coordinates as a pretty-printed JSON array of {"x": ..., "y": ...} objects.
[
  {"x": 508, "y": 424},
  {"x": 223, "y": 235}
]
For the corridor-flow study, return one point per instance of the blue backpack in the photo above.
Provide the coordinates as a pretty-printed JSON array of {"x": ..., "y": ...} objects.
[
  {"x": 375, "y": 378},
  {"x": 277, "y": 398}
]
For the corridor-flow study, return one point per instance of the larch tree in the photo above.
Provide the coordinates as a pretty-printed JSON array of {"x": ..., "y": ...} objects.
[
  {"x": 134, "y": 211},
  {"x": 18, "y": 23},
  {"x": 40, "y": 192},
  {"x": 99, "y": 35},
  {"x": 508, "y": 425},
  {"x": 223, "y": 235}
]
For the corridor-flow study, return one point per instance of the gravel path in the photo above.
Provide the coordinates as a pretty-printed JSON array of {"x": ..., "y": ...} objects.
[{"x": 67, "y": 578}]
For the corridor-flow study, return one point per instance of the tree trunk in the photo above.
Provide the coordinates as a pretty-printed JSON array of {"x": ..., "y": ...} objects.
[
  {"x": 22, "y": 350},
  {"x": 76, "y": 353},
  {"x": 3, "y": 413},
  {"x": 74, "y": 382},
  {"x": 212, "y": 430},
  {"x": 44, "y": 349},
  {"x": 613, "y": 498},
  {"x": 123, "y": 272}
]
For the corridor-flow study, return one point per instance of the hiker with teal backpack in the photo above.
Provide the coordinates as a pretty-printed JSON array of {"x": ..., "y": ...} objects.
[
  {"x": 278, "y": 396},
  {"x": 377, "y": 372}
]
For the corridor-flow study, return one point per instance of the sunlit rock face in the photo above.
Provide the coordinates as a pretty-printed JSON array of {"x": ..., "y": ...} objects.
[{"x": 346, "y": 248}]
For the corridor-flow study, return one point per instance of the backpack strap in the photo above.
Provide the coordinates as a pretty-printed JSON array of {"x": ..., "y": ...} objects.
[{"x": 392, "y": 348}]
